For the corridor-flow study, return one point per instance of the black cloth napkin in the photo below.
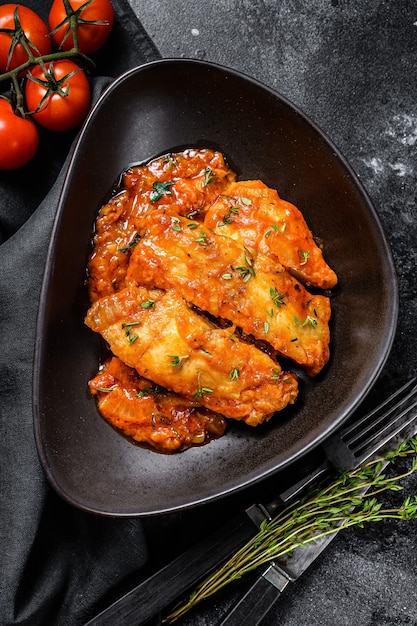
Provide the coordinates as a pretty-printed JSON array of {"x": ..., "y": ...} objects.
[{"x": 57, "y": 563}]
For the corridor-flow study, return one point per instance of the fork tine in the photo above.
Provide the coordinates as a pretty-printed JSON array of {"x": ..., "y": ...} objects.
[
  {"x": 363, "y": 438},
  {"x": 403, "y": 393},
  {"x": 356, "y": 443},
  {"x": 378, "y": 440},
  {"x": 347, "y": 450}
]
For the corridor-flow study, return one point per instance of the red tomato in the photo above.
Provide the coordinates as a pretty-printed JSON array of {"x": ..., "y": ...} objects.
[
  {"x": 61, "y": 99},
  {"x": 33, "y": 28},
  {"x": 19, "y": 138},
  {"x": 95, "y": 21}
]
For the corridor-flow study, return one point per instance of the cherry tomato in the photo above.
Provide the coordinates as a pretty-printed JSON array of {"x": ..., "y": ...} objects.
[
  {"x": 59, "y": 100},
  {"x": 19, "y": 138},
  {"x": 12, "y": 53},
  {"x": 95, "y": 21}
]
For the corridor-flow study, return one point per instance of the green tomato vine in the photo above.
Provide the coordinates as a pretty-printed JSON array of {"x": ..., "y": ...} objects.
[{"x": 18, "y": 36}]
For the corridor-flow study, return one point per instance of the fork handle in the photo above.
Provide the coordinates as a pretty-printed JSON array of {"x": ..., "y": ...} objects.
[{"x": 252, "y": 607}]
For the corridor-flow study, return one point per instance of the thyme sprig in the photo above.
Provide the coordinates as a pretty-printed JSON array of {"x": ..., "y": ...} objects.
[{"x": 344, "y": 499}]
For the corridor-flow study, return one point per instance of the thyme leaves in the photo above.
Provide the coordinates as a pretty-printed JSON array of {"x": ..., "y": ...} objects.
[
  {"x": 208, "y": 176},
  {"x": 277, "y": 298},
  {"x": 345, "y": 499},
  {"x": 228, "y": 216},
  {"x": 127, "y": 327},
  {"x": 201, "y": 390},
  {"x": 247, "y": 270}
]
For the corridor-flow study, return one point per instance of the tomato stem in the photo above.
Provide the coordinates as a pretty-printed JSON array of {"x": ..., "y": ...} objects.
[
  {"x": 19, "y": 36},
  {"x": 20, "y": 104},
  {"x": 83, "y": 60}
]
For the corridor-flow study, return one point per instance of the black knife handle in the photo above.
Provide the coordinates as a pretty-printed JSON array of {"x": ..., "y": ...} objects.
[
  {"x": 252, "y": 607},
  {"x": 166, "y": 585}
]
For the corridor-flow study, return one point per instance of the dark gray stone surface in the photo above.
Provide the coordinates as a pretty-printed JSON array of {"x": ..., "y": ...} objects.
[{"x": 352, "y": 67}]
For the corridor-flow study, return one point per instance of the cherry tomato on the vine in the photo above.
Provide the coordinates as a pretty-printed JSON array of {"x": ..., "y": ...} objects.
[
  {"x": 15, "y": 19},
  {"x": 19, "y": 138},
  {"x": 59, "y": 100},
  {"x": 95, "y": 21}
]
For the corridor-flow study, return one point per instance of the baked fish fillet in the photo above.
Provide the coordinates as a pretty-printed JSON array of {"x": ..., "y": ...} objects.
[
  {"x": 254, "y": 215},
  {"x": 150, "y": 414},
  {"x": 158, "y": 334},
  {"x": 220, "y": 276},
  {"x": 186, "y": 182}
]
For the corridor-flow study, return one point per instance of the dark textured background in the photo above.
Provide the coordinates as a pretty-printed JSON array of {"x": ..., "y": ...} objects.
[{"x": 352, "y": 67}]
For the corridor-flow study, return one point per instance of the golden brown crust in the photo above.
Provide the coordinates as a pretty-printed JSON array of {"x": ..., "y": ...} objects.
[
  {"x": 182, "y": 240},
  {"x": 220, "y": 276},
  {"x": 150, "y": 414},
  {"x": 164, "y": 340},
  {"x": 255, "y": 216},
  {"x": 198, "y": 176}
]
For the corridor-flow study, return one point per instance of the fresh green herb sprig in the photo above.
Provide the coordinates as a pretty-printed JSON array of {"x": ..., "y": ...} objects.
[{"x": 344, "y": 499}]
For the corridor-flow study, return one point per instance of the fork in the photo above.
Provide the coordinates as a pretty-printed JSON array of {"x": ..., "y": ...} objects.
[
  {"x": 354, "y": 444},
  {"x": 349, "y": 448},
  {"x": 385, "y": 426}
]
